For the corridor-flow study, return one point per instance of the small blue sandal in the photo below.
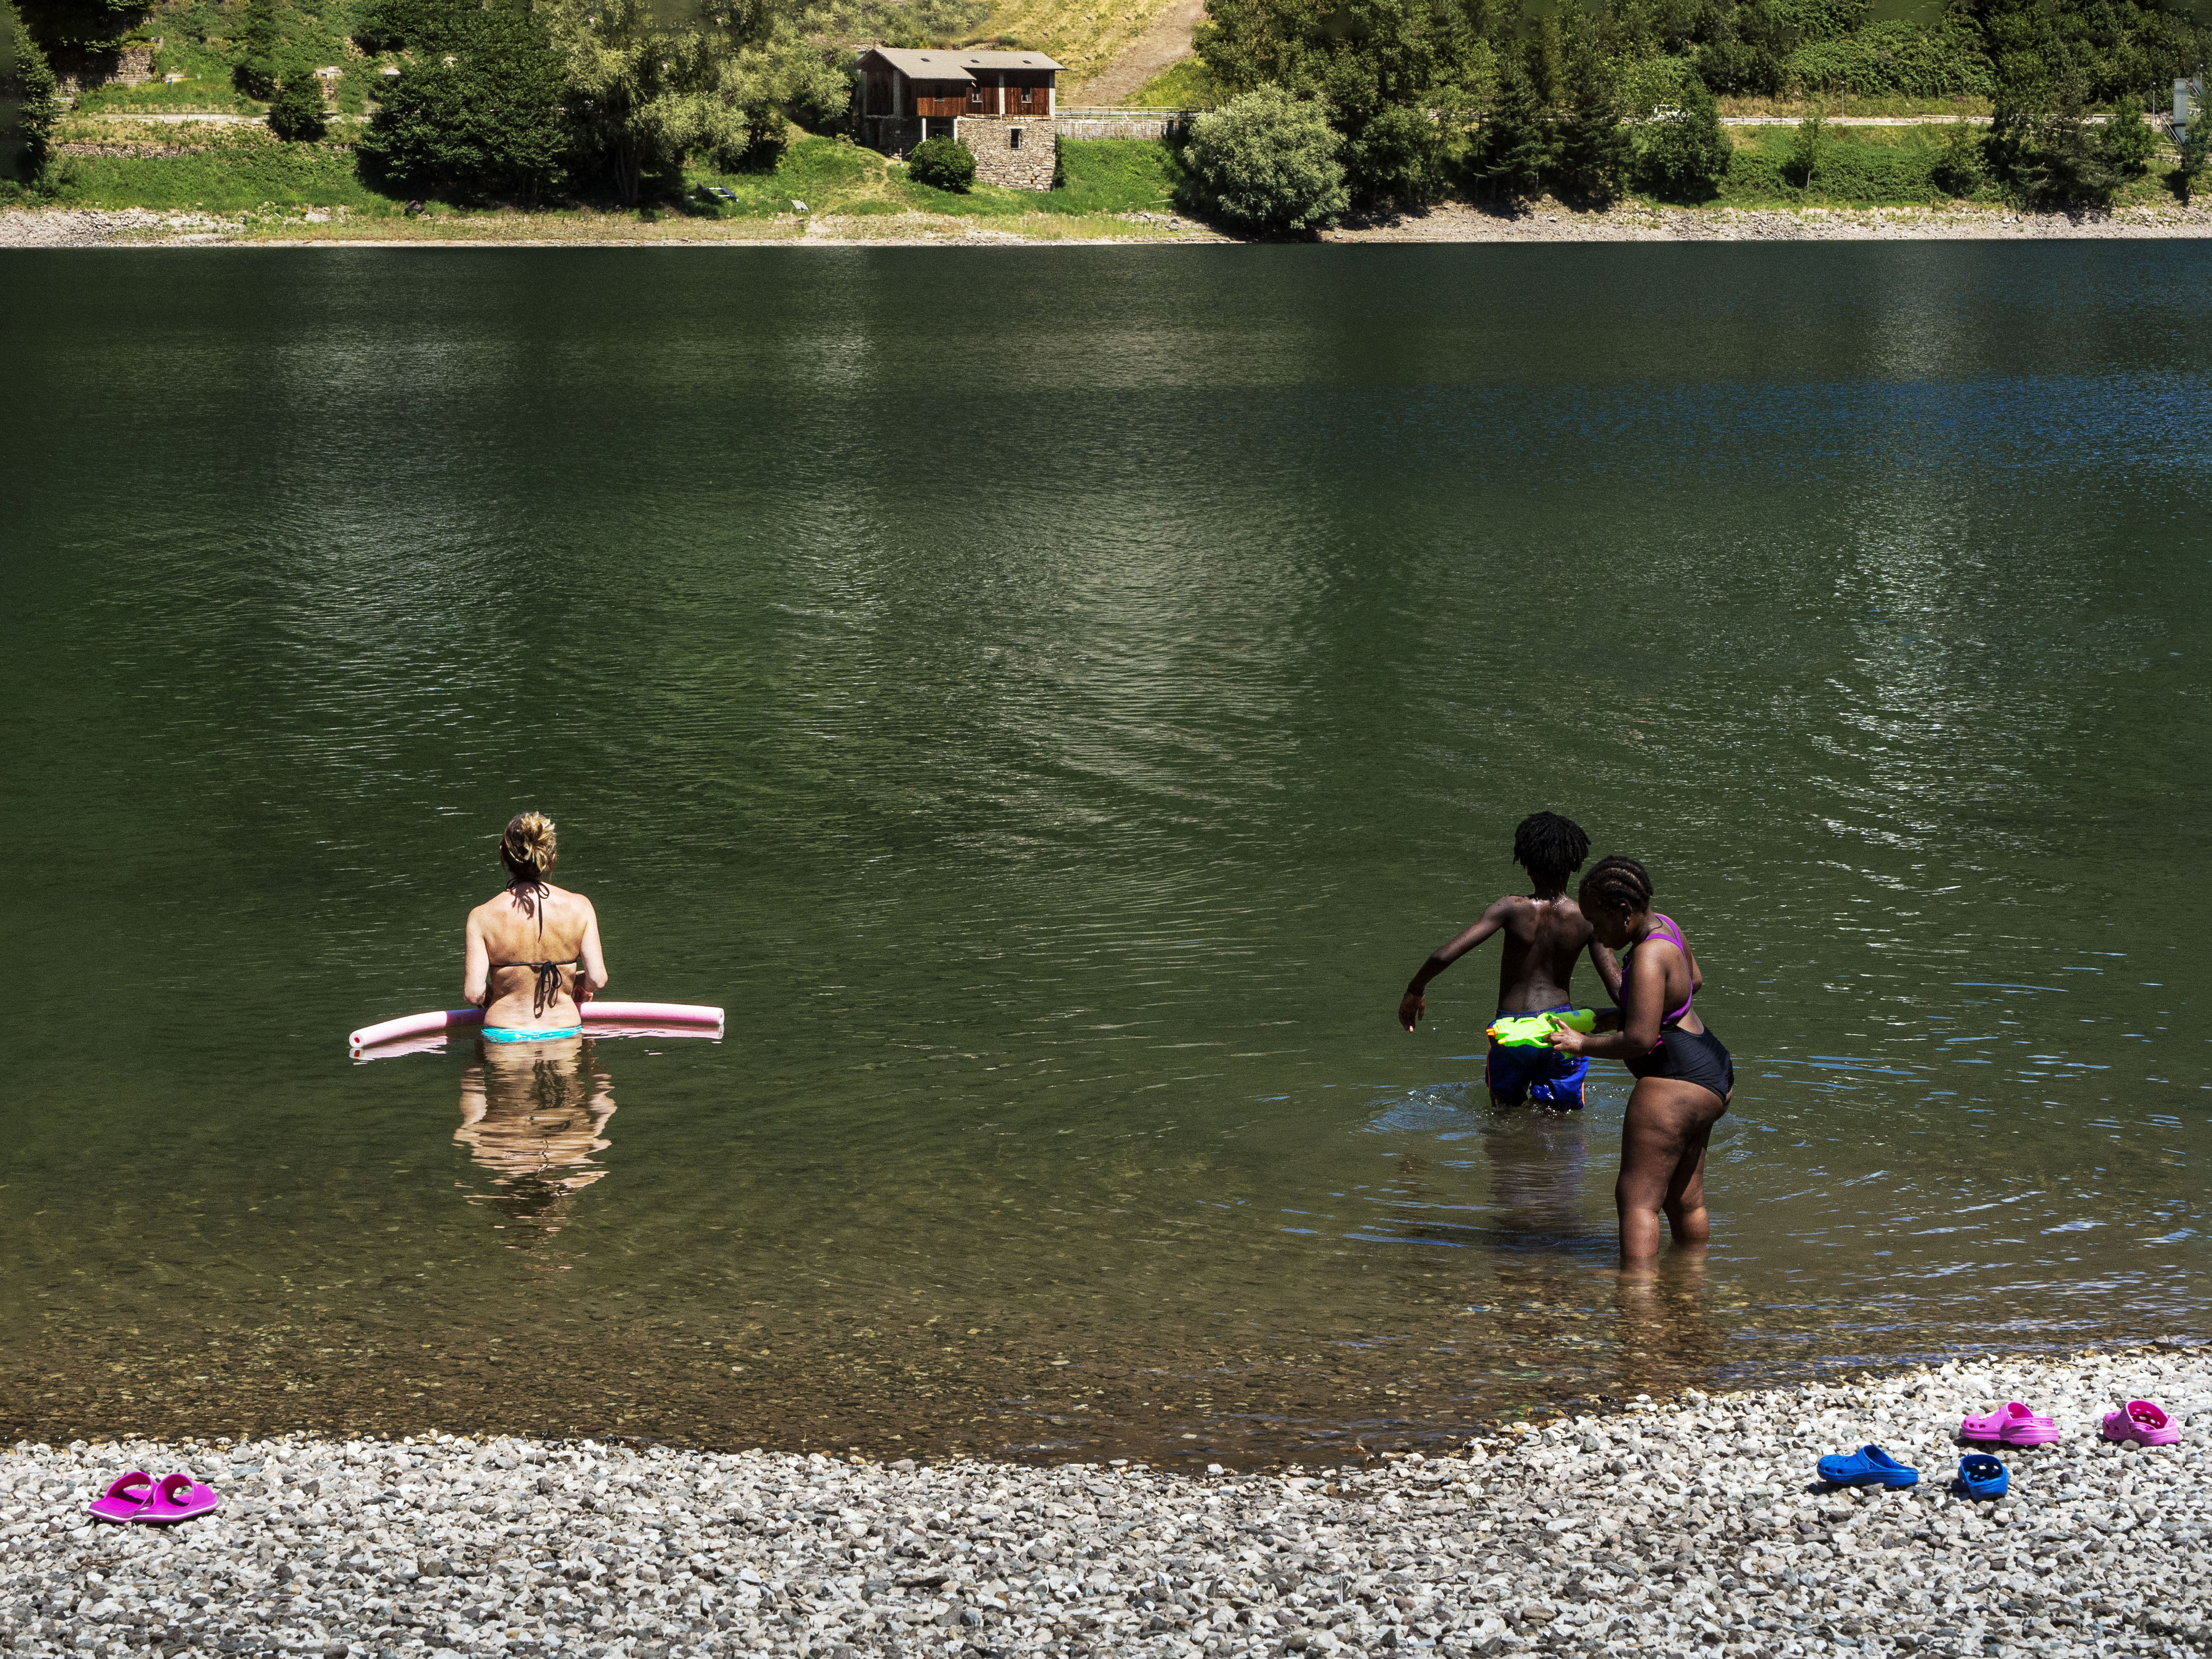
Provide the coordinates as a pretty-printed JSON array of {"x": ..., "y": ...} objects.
[
  {"x": 1982, "y": 1476},
  {"x": 1869, "y": 1466}
]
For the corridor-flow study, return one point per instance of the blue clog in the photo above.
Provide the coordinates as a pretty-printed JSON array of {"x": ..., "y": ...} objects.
[
  {"x": 1869, "y": 1466},
  {"x": 1982, "y": 1476}
]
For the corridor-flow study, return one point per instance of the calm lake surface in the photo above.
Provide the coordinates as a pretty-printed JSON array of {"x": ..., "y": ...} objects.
[{"x": 1054, "y": 699}]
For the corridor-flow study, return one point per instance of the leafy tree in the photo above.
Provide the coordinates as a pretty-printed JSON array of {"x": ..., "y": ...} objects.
[
  {"x": 650, "y": 84},
  {"x": 1806, "y": 145},
  {"x": 30, "y": 101},
  {"x": 1592, "y": 150},
  {"x": 1961, "y": 164},
  {"x": 480, "y": 111},
  {"x": 2047, "y": 151},
  {"x": 295, "y": 113},
  {"x": 1514, "y": 149},
  {"x": 1685, "y": 152},
  {"x": 942, "y": 164},
  {"x": 1267, "y": 161},
  {"x": 1398, "y": 79},
  {"x": 2128, "y": 142},
  {"x": 1399, "y": 156},
  {"x": 256, "y": 73},
  {"x": 1741, "y": 67}
]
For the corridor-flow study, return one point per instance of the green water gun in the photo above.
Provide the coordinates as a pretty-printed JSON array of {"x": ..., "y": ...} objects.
[{"x": 1534, "y": 1030}]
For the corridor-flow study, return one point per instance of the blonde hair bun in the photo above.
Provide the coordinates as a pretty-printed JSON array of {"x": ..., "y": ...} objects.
[{"x": 527, "y": 847}]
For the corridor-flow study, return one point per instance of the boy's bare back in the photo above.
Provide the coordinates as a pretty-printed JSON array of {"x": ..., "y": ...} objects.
[{"x": 1543, "y": 937}]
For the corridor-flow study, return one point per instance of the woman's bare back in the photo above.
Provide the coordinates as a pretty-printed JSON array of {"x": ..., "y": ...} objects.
[{"x": 532, "y": 952}]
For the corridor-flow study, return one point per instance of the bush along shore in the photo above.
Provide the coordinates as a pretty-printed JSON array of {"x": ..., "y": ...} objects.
[{"x": 1691, "y": 1526}]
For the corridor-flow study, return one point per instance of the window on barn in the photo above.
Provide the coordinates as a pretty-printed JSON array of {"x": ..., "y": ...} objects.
[{"x": 1014, "y": 139}]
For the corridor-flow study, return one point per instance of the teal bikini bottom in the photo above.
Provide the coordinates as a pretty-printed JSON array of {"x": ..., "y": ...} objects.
[{"x": 510, "y": 1033}]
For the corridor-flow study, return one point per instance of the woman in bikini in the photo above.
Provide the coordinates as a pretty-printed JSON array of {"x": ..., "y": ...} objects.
[
  {"x": 1684, "y": 1076},
  {"x": 533, "y": 952}
]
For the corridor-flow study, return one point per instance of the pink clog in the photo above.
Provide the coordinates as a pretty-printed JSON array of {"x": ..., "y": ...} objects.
[
  {"x": 125, "y": 1496},
  {"x": 179, "y": 1498},
  {"x": 2143, "y": 1421},
  {"x": 2012, "y": 1424}
]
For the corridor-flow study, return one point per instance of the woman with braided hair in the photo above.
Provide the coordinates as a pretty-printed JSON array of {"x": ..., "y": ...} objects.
[
  {"x": 1684, "y": 1076},
  {"x": 531, "y": 955}
]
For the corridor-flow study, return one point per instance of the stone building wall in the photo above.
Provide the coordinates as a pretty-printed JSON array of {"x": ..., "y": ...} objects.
[{"x": 1002, "y": 158}]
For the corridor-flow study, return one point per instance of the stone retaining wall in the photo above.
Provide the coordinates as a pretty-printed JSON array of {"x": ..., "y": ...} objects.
[
  {"x": 130, "y": 66},
  {"x": 1017, "y": 154},
  {"x": 1125, "y": 123}
]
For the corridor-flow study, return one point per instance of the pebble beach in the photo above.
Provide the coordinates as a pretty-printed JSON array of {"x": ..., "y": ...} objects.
[{"x": 1689, "y": 1526}]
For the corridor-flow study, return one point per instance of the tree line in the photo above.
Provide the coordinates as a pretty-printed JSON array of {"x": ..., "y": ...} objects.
[
  {"x": 515, "y": 100},
  {"x": 1365, "y": 104}
]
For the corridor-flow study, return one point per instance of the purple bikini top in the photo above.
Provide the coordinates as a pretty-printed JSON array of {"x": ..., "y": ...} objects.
[{"x": 1667, "y": 930}]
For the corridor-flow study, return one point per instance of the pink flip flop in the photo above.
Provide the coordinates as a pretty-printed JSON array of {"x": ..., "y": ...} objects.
[
  {"x": 125, "y": 1496},
  {"x": 179, "y": 1498},
  {"x": 2011, "y": 1424},
  {"x": 2144, "y": 1422}
]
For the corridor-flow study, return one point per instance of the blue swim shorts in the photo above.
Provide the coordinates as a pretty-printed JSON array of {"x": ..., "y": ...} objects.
[{"x": 1544, "y": 1075}]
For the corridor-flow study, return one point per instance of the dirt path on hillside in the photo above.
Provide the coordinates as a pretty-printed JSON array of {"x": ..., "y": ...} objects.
[{"x": 1160, "y": 48}]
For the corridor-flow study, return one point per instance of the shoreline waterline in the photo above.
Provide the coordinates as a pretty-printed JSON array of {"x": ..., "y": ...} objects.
[
  {"x": 1451, "y": 222},
  {"x": 1694, "y": 1522}
]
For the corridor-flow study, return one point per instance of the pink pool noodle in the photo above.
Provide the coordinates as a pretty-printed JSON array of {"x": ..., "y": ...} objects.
[{"x": 596, "y": 1013}]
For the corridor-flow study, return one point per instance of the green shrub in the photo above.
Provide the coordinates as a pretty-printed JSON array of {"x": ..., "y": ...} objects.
[
  {"x": 295, "y": 113},
  {"x": 1267, "y": 162},
  {"x": 1819, "y": 20},
  {"x": 1961, "y": 166},
  {"x": 1898, "y": 57},
  {"x": 1685, "y": 153},
  {"x": 1806, "y": 146},
  {"x": 1850, "y": 170},
  {"x": 942, "y": 164}
]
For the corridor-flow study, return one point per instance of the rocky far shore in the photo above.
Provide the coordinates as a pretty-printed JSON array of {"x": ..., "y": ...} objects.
[
  {"x": 1688, "y": 1527},
  {"x": 1547, "y": 221}
]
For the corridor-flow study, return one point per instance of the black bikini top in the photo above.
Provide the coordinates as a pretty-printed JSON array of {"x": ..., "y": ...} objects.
[{"x": 548, "y": 985}]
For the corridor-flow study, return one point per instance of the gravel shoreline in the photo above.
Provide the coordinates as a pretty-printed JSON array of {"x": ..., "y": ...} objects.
[
  {"x": 1691, "y": 1526},
  {"x": 1451, "y": 222}
]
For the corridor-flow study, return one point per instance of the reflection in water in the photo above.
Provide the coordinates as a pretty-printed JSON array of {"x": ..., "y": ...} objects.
[
  {"x": 532, "y": 1113},
  {"x": 1666, "y": 1336},
  {"x": 1538, "y": 1160}
]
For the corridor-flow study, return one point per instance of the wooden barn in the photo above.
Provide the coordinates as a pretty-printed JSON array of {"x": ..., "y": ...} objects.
[{"x": 999, "y": 104}]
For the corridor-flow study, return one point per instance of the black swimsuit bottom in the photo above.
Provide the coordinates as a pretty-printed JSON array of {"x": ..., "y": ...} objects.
[{"x": 1696, "y": 1057}]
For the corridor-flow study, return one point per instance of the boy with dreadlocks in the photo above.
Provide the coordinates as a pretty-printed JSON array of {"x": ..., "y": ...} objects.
[{"x": 1544, "y": 934}]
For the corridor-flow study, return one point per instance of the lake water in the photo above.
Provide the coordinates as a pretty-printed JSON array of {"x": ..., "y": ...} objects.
[{"x": 1053, "y": 698}]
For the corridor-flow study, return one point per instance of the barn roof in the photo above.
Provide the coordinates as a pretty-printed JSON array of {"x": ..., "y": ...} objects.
[{"x": 958, "y": 65}]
